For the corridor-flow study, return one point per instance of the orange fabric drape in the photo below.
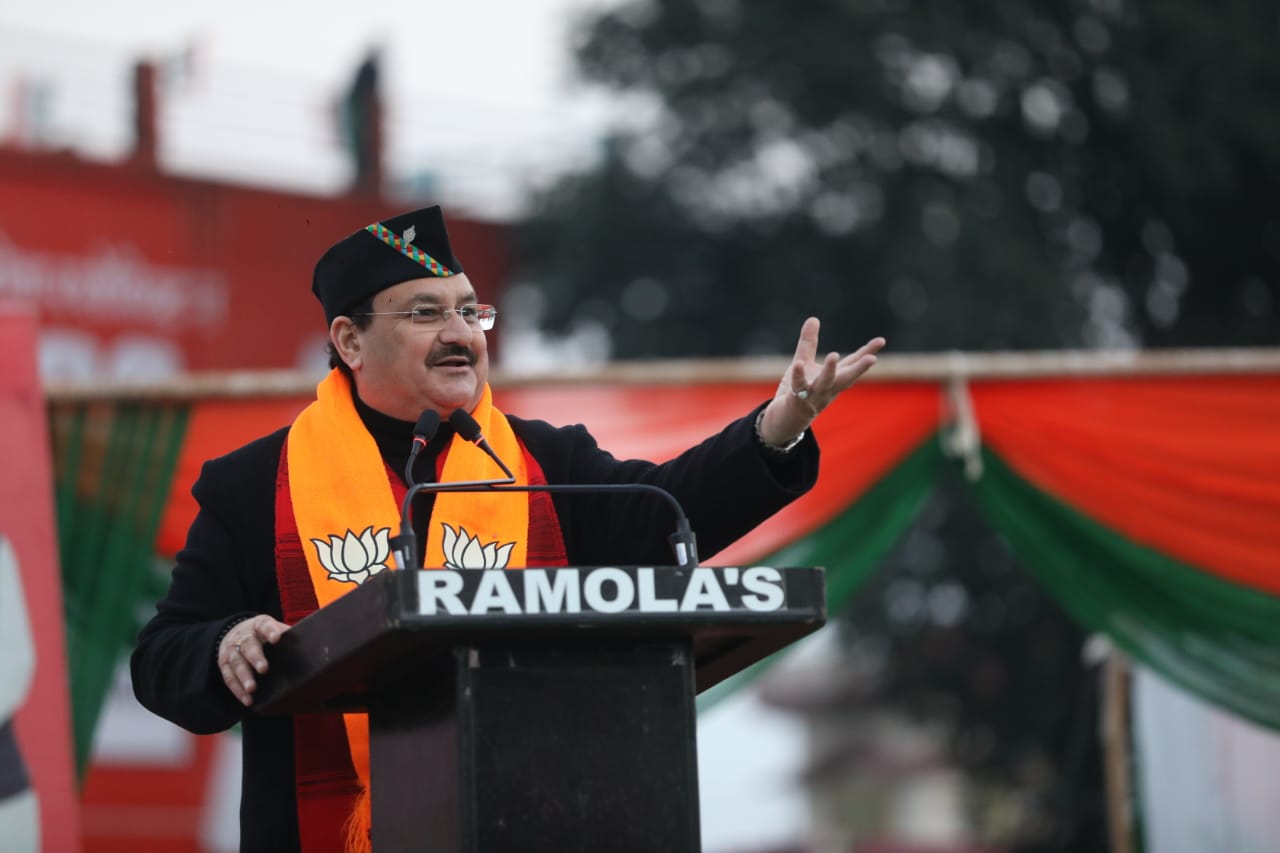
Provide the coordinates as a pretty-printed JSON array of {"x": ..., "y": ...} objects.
[{"x": 1189, "y": 466}]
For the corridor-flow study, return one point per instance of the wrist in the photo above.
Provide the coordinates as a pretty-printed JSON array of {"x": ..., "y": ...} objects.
[
  {"x": 784, "y": 447},
  {"x": 226, "y": 629}
]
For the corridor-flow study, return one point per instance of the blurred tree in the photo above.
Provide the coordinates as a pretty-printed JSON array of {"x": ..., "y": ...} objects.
[
  {"x": 982, "y": 175},
  {"x": 976, "y": 176}
]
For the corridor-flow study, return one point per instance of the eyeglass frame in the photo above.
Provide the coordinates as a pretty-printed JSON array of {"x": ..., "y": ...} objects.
[{"x": 486, "y": 315}]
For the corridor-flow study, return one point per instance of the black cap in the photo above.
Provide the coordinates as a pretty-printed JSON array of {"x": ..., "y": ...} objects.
[{"x": 408, "y": 246}]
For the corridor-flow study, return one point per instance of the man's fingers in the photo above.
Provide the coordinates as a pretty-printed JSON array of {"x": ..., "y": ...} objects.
[
  {"x": 828, "y": 373},
  {"x": 265, "y": 630},
  {"x": 242, "y": 655},
  {"x": 251, "y": 650},
  {"x": 853, "y": 365},
  {"x": 243, "y": 669},
  {"x": 834, "y": 373},
  {"x": 809, "y": 387},
  {"x": 807, "y": 345},
  {"x": 798, "y": 381},
  {"x": 238, "y": 678},
  {"x": 870, "y": 348}
]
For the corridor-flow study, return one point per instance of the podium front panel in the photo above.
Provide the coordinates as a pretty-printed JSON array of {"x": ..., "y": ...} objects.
[{"x": 565, "y": 747}]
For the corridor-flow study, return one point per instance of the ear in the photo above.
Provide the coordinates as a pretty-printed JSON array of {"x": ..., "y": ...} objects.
[{"x": 345, "y": 338}]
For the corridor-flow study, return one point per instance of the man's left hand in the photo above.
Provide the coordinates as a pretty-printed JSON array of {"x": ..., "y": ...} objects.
[{"x": 809, "y": 386}]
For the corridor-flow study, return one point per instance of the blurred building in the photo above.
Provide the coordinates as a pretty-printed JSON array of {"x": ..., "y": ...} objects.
[{"x": 140, "y": 274}]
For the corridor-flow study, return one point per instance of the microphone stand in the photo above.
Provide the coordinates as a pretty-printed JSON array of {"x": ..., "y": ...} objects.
[{"x": 683, "y": 541}]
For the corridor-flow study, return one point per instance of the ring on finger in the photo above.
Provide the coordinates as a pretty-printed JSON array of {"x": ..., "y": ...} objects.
[{"x": 802, "y": 394}]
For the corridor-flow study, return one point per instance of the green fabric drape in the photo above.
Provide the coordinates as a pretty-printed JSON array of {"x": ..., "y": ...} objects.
[
  {"x": 113, "y": 466},
  {"x": 1219, "y": 640},
  {"x": 852, "y": 545}
]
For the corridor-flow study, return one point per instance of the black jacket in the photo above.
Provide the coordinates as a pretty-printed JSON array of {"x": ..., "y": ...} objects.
[{"x": 728, "y": 484}]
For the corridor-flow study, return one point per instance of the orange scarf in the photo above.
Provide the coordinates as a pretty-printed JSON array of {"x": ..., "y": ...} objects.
[{"x": 345, "y": 510}]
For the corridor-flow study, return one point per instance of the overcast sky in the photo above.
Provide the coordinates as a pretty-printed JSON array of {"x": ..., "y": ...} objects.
[{"x": 478, "y": 95}]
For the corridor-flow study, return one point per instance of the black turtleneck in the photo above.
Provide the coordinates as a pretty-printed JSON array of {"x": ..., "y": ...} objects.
[{"x": 394, "y": 438}]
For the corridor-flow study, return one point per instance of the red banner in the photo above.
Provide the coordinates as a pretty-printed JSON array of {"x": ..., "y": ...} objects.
[{"x": 37, "y": 790}]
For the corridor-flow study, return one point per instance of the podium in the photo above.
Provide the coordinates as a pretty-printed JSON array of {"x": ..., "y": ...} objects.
[{"x": 537, "y": 709}]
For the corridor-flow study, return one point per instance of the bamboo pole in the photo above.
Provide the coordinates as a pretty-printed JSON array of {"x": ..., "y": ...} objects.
[
  {"x": 1117, "y": 752},
  {"x": 911, "y": 367}
]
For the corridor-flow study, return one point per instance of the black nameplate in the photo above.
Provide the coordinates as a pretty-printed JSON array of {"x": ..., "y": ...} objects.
[{"x": 603, "y": 590}]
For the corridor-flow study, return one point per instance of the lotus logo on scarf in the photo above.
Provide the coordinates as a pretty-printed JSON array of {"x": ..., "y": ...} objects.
[
  {"x": 354, "y": 559},
  {"x": 464, "y": 551}
]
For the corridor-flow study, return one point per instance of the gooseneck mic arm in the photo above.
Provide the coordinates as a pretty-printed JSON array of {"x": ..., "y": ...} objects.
[
  {"x": 683, "y": 540},
  {"x": 684, "y": 543},
  {"x": 405, "y": 546},
  {"x": 470, "y": 430}
]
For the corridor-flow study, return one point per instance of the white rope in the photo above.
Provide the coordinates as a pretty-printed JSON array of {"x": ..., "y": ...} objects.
[
  {"x": 961, "y": 438},
  {"x": 939, "y": 367}
]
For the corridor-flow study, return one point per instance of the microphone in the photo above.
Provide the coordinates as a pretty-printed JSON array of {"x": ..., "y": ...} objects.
[
  {"x": 405, "y": 546},
  {"x": 466, "y": 426},
  {"x": 423, "y": 431},
  {"x": 683, "y": 541}
]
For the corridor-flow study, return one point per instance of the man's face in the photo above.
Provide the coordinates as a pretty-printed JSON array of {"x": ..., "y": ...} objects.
[{"x": 401, "y": 368}]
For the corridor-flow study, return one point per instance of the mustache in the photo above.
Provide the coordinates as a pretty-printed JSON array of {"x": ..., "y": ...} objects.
[{"x": 453, "y": 351}]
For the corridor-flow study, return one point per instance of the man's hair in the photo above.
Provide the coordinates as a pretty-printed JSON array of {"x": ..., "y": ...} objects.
[{"x": 365, "y": 306}]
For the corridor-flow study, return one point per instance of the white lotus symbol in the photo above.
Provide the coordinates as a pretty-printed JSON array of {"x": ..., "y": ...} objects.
[
  {"x": 352, "y": 558},
  {"x": 464, "y": 551}
]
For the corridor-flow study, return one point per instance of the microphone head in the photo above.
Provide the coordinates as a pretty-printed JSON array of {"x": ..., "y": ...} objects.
[
  {"x": 465, "y": 425},
  {"x": 428, "y": 422}
]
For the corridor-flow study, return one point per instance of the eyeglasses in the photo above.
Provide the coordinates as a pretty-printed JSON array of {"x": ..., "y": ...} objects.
[{"x": 434, "y": 317}]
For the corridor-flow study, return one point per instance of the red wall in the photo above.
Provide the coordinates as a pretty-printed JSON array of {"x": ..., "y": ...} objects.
[{"x": 220, "y": 274}]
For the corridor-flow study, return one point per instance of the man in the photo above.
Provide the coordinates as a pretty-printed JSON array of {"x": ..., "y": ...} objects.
[{"x": 295, "y": 519}]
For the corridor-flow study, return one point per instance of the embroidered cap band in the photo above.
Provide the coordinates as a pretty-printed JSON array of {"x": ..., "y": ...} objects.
[{"x": 409, "y": 250}]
